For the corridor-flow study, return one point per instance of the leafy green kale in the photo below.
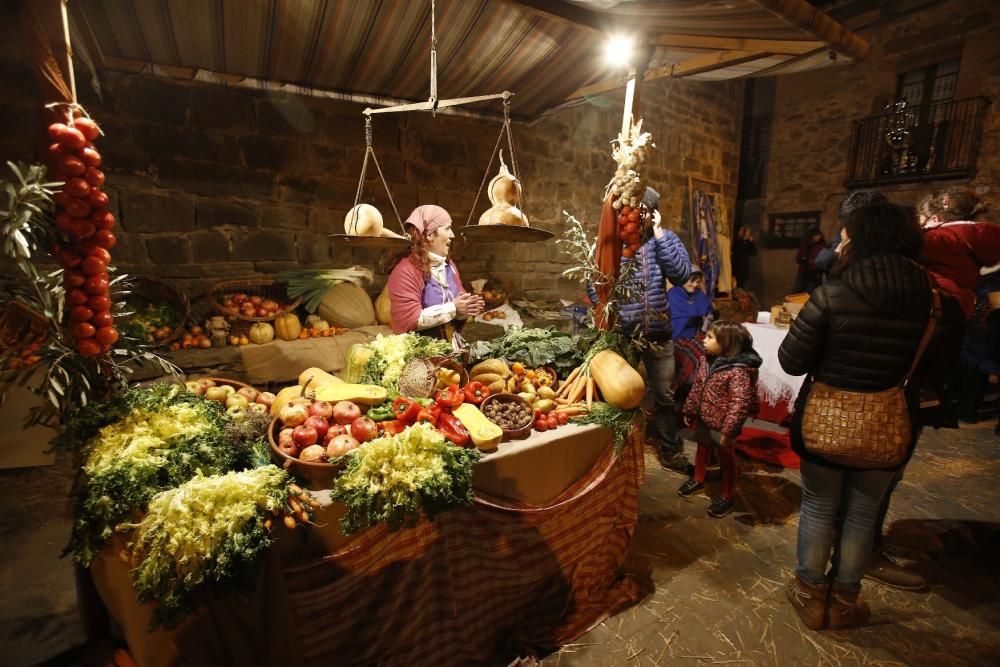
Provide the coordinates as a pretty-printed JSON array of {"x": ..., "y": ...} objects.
[{"x": 531, "y": 347}]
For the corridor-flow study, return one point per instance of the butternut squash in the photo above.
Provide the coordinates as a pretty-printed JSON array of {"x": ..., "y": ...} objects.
[
  {"x": 366, "y": 394},
  {"x": 485, "y": 434},
  {"x": 316, "y": 377},
  {"x": 287, "y": 326},
  {"x": 347, "y": 305},
  {"x": 620, "y": 384}
]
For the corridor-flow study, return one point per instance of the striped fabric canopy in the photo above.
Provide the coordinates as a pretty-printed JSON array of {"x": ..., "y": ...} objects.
[{"x": 381, "y": 48}]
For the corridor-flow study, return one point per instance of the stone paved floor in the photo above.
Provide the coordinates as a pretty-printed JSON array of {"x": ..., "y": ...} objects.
[{"x": 715, "y": 585}]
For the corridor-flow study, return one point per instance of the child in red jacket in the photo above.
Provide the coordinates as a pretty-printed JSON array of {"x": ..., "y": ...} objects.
[
  {"x": 724, "y": 395},
  {"x": 956, "y": 247}
]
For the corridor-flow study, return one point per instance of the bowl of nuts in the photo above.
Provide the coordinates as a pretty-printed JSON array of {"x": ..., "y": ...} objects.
[{"x": 511, "y": 413}]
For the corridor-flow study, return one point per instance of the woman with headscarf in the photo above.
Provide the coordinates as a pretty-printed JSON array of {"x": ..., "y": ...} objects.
[{"x": 425, "y": 288}]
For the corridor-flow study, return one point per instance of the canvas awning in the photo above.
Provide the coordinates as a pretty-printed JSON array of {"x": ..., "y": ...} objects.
[{"x": 550, "y": 52}]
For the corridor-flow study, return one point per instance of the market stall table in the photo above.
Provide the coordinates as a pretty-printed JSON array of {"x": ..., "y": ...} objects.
[
  {"x": 776, "y": 391},
  {"x": 531, "y": 565}
]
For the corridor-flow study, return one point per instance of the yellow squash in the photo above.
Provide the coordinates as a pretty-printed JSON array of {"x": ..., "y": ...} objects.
[
  {"x": 366, "y": 394},
  {"x": 620, "y": 384},
  {"x": 485, "y": 434},
  {"x": 315, "y": 377}
]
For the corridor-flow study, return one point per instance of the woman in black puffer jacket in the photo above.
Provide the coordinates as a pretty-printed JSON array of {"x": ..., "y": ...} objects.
[{"x": 859, "y": 331}]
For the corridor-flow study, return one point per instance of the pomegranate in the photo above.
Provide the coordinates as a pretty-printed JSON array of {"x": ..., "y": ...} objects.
[
  {"x": 304, "y": 435},
  {"x": 286, "y": 445},
  {"x": 364, "y": 429},
  {"x": 313, "y": 454},
  {"x": 322, "y": 409},
  {"x": 321, "y": 425},
  {"x": 266, "y": 398},
  {"x": 341, "y": 445},
  {"x": 334, "y": 431},
  {"x": 345, "y": 412},
  {"x": 293, "y": 414}
]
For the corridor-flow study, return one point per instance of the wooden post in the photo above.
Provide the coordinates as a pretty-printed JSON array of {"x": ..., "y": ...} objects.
[{"x": 633, "y": 90}]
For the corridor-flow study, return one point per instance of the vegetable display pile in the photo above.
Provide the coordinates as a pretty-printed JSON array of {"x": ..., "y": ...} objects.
[
  {"x": 397, "y": 479},
  {"x": 208, "y": 530},
  {"x": 136, "y": 445},
  {"x": 531, "y": 347},
  {"x": 381, "y": 360}
]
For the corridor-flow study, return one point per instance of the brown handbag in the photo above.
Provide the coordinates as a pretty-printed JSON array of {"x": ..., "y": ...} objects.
[{"x": 863, "y": 429}]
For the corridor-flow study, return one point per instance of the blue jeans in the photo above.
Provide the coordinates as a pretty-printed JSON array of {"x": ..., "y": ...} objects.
[
  {"x": 824, "y": 490},
  {"x": 660, "y": 370}
]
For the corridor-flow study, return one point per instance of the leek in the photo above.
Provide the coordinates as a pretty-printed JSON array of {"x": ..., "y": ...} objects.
[{"x": 312, "y": 284}]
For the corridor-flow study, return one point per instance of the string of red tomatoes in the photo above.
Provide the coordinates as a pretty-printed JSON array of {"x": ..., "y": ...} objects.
[
  {"x": 85, "y": 224},
  {"x": 629, "y": 229}
]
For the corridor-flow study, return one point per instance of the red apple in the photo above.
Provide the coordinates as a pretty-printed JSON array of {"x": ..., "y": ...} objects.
[
  {"x": 304, "y": 435},
  {"x": 345, "y": 412},
  {"x": 321, "y": 425},
  {"x": 322, "y": 409},
  {"x": 340, "y": 445},
  {"x": 364, "y": 429}
]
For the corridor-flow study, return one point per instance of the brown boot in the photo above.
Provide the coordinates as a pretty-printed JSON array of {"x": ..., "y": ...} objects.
[
  {"x": 846, "y": 609},
  {"x": 808, "y": 601}
]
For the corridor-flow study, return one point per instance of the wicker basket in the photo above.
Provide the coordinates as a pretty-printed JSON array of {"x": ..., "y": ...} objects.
[
  {"x": 516, "y": 433},
  {"x": 418, "y": 378},
  {"x": 265, "y": 289},
  {"x": 150, "y": 291}
]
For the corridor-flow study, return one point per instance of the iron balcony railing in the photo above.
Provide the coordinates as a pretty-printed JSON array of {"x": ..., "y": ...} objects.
[{"x": 907, "y": 144}]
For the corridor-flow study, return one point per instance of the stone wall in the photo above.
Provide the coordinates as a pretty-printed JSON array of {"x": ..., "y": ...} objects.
[
  {"x": 814, "y": 110},
  {"x": 212, "y": 183}
]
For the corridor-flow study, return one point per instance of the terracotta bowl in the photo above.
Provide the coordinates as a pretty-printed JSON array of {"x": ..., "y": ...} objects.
[
  {"x": 510, "y": 434},
  {"x": 316, "y": 475}
]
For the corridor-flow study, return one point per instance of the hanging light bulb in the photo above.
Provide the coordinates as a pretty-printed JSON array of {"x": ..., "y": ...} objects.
[{"x": 618, "y": 51}]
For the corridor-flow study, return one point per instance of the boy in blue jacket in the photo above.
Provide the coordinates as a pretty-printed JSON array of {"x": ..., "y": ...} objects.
[
  {"x": 689, "y": 306},
  {"x": 661, "y": 256}
]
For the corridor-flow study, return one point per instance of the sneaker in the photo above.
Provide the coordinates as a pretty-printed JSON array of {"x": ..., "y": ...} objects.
[
  {"x": 720, "y": 507},
  {"x": 677, "y": 463},
  {"x": 689, "y": 487},
  {"x": 883, "y": 570}
]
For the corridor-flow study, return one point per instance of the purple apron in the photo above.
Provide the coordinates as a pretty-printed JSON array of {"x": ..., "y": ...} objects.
[{"x": 435, "y": 294}]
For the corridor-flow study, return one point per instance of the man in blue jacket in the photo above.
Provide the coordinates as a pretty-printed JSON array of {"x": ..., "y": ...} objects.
[{"x": 661, "y": 256}]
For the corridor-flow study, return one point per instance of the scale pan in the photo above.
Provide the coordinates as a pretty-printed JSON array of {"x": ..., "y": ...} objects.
[
  {"x": 504, "y": 233},
  {"x": 387, "y": 243}
]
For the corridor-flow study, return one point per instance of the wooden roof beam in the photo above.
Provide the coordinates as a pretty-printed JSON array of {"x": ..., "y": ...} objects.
[
  {"x": 564, "y": 12},
  {"x": 779, "y": 46},
  {"x": 691, "y": 66},
  {"x": 804, "y": 16}
]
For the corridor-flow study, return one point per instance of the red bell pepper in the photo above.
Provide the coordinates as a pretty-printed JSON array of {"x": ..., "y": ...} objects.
[
  {"x": 405, "y": 409},
  {"x": 453, "y": 429},
  {"x": 449, "y": 397},
  {"x": 429, "y": 414},
  {"x": 476, "y": 392},
  {"x": 393, "y": 427}
]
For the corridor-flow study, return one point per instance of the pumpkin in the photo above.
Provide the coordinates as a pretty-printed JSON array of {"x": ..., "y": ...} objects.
[
  {"x": 287, "y": 326},
  {"x": 383, "y": 307},
  {"x": 620, "y": 384},
  {"x": 261, "y": 332},
  {"x": 347, "y": 305}
]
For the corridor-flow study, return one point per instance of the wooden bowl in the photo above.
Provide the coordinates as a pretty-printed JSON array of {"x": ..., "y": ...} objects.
[
  {"x": 316, "y": 476},
  {"x": 516, "y": 433}
]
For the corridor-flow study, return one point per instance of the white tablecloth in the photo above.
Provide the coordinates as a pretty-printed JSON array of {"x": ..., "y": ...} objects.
[{"x": 773, "y": 384}]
